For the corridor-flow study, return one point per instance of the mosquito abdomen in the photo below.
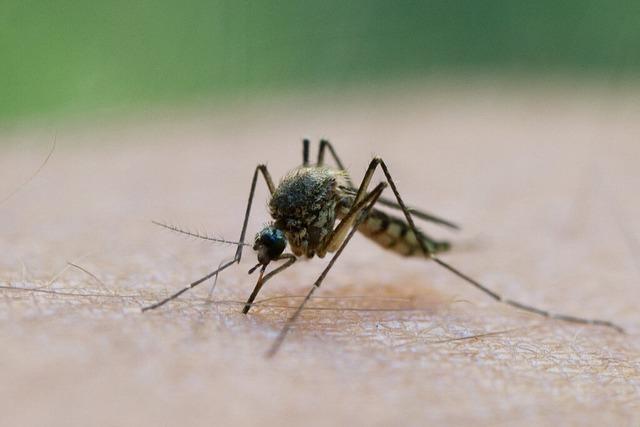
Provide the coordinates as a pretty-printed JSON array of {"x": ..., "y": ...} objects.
[{"x": 395, "y": 234}]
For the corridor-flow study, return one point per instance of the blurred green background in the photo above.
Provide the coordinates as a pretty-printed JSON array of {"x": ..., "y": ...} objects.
[{"x": 62, "y": 58}]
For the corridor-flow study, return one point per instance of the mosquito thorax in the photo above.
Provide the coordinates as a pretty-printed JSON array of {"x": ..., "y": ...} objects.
[
  {"x": 269, "y": 244},
  {"x": 304, "y": 207}
]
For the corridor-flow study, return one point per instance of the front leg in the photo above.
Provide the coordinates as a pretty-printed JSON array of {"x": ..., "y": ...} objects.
[
  {"x": 238, "y": 255},
  {"x": 361, "y": 210},
  {"x": 262, "y": 280}
]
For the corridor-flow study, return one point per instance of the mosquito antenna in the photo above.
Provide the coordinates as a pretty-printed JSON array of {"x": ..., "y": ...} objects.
[
  {"x": 522, "y": 306},
  {"x": 197, "y": 235},
  {"x": 33, "y": 175}
]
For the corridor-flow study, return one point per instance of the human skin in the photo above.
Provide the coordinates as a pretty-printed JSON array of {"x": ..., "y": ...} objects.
[{"x": 543, "y": 182}]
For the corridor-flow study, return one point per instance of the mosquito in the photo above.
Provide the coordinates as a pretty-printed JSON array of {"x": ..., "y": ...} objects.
[{"x": 316, "y": 210}]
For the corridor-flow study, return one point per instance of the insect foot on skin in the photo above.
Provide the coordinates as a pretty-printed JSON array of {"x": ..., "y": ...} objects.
[{"x": 316, "y": 210}]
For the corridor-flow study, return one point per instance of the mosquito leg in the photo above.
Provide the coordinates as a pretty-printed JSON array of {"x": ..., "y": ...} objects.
[
  {"x": 336, "y": 237},
  {"x": 262, "y": 280},
  {"x": 362, "y": 208},
  {"x": 305, "y": 152},
  {"x": 188, "y": 287},
  {"x": 238, "y": 255},
  {"x": 526, "y": 307},
  {"x": 326, "y": 145},
  {"x": 215, "y": 280},
  {"x": 468, "y": 279},
  {"x": 272, "y": 188},
  {"x": 426, "y": 216}
]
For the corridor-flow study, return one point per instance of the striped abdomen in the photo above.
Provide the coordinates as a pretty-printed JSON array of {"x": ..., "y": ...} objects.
[{"x": 395, "y": 234}]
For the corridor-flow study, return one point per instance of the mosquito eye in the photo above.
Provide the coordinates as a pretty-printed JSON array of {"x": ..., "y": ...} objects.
[
  {"x": 273, "y": 240},
  {"x": 269, "y": 238}
]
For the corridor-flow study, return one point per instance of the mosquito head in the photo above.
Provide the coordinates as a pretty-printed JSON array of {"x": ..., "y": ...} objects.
[{"x": 269, "y": 243}]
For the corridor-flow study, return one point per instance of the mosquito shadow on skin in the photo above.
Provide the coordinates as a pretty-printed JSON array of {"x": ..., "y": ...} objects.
[
  {"x": 352, "y": 309},
  {"x": 404, "y": 315}
]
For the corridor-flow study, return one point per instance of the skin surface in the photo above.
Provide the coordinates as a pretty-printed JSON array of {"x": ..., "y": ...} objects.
[{"x": 543, "y": 181}]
